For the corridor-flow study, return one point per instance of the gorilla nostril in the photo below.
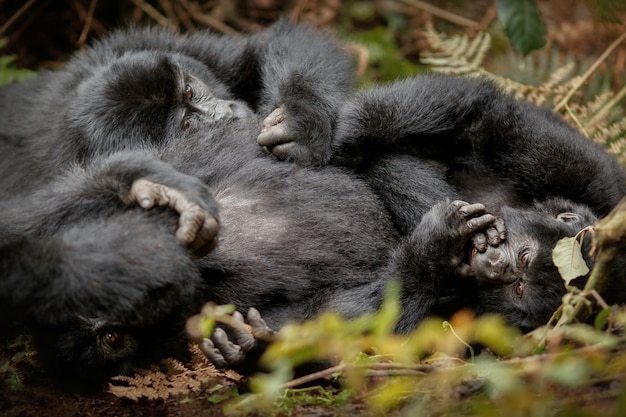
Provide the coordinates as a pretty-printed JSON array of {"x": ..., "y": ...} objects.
[{"x": 495, "y": 258}]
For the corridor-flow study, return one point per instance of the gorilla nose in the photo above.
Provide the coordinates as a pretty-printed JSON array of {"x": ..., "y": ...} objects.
[
  {"x": 491, "y": 265},
  {"x": 495, "y": 258}
]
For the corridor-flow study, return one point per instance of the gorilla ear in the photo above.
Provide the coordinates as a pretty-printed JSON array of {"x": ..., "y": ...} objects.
[{"x": 569, "y": 217}]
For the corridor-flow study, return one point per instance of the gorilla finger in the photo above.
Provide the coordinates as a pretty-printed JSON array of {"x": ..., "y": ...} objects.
[
  {"x": 189, "y": 224},
  {"x": 493, "y": 236},
  {"x": 230, "y": 351},
  {"x": 470, "y": 210},
  {"x": 260, "y": 329},
  {"x": 283, "y": 151},
  {"x": 479, "y": 240},
  {"x": 500, "y": 227},
  {"x": 213, "y": 354},
  {"x": 143, "y": 192},
  {"x": 199, "y": 252},
  {"x": 457, "y": 204},
  {"x": 479, "y": 223},
  {"x": 275, "y": 117},
  {"x": 244, "y": 336},
  {"x": 276, "y": 135},
  {"x": 206, "y": 237}
]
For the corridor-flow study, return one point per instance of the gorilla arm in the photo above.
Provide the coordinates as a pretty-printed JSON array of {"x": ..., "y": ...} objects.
[
  {"x": 108, "y": 186},
  {"x": 422, "y": 262},
  {"x": 306, "y": 77},
  {"x": 469, "y": 121}
]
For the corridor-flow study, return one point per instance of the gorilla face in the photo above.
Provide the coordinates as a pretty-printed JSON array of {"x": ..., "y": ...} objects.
[
  {"x": 145, "y": 99},
  {"x": 518, "y": 278}
]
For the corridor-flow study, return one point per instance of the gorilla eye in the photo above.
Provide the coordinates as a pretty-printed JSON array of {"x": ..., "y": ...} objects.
[
  {"x": 188, "y": 92},
  {"x": 112, "y": 339},
  {"x": 519, "y": 288},
  {"x": 524, "y": 257}
]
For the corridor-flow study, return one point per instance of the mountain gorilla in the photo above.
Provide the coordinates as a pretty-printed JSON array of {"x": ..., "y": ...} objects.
[
  {"x": 146, "y": 120},
  {"x": 539, "y": 176},
  {"x": 146, "y": 134}
]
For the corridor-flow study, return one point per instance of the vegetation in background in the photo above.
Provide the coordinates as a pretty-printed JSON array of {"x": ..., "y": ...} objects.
[{"x": 8, "y": 72}]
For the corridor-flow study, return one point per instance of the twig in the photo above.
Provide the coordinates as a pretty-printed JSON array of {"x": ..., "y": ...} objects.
[
  {"x": 314, "y": 376},
  {"x": 152, "y": 12},
  {"x": 16, "y": 16},
  {"x": 373, "y": 369},
  {"x": 589, "y": 72},
  {"x": 168, "y": 8},
  {"x": 194, "y": 13},
  {"x": 443, "y": 14},
  {"x": 88, "y": 22}
]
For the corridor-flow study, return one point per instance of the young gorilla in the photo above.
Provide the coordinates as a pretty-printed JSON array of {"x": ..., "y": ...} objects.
[
  {"x": 525, "y": 164},
  {"x": 147, "y": 120}
]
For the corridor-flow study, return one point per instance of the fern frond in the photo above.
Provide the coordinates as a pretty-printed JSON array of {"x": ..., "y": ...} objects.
[
  {"x": 173, "y": 378},
  {"x": 456, "y": 54},
  {"x": 601, "y": 119}
]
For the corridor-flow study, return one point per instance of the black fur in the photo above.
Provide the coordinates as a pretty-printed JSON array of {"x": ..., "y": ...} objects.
[
  {"x": 102, "y": 283},
  {"x": 466, "y": 140}
]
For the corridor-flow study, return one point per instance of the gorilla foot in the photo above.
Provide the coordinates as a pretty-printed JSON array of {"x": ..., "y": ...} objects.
[
  {"x": 197, "y": 228},
  {"x": 244, "y": 346}
]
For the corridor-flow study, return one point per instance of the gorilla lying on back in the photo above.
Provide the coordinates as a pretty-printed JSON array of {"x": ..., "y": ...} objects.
[
  {"x": 529, "y": 168},
  {"x": 151, "y": 121},
  {"x": 145, "y": 120}
]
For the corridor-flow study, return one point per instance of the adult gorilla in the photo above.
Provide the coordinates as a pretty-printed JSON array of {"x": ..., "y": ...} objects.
[{"x": 146, "y": 120}]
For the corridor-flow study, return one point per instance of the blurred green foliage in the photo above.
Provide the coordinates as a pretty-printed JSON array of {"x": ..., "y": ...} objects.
[{"x": 8, "y": 72}]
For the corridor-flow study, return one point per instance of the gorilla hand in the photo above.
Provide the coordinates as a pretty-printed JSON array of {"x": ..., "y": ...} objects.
[
  {"x": 297, "y": 135},
  {"x": 470, "y": 222},
  {"x": 491, "y": 236},
  {"x": 197, "y": 228},
  {"x": 248, "y": 343},
  {"x": 276, "y": 137}
]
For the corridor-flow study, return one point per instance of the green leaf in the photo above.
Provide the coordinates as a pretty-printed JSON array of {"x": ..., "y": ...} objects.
[
  {"x": 386, "y": 319},
  {"x": 568, "y": 258},
  {"x": 523, "y": 24},
  {"x": 602, "y": 318}
]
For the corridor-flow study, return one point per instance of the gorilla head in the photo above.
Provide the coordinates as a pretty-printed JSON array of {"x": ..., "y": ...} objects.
[
  {"x": 518, "y": 278},
  {"x": 143, "y": 100}
]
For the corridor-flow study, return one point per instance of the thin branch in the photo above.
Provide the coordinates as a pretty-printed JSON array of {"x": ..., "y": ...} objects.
[
  {"x": 441, "y": 13},
  {"x": 88, "y": 22},
  {"x": 16, "y": 16},
  {"x": 589, "y": 72},
  {"x": 152, "y": 12},
  {"x": 314, "y": 376}
]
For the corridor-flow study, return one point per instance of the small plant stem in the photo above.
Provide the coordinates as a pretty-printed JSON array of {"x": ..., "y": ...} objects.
[{"x": 589, "y": 72}]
